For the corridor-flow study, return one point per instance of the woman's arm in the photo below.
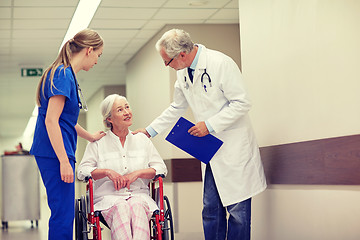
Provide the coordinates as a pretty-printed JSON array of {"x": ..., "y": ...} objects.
[
  {"x": 89, "y": 166},
  {"x": 81, "y": 132},
  {"x": 148, "y": 173},
  {"x": 55, "y": 108},
  {"x": 119, "y": 180}
]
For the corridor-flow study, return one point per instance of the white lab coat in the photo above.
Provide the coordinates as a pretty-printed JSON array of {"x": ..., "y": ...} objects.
[{"x": 237, "y": 166}]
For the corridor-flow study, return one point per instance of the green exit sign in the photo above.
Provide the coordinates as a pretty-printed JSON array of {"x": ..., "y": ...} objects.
[{"x": 31, "y": 72}]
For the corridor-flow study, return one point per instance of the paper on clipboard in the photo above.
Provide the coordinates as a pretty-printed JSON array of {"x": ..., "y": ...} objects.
[{"x": 202, "y": 148}]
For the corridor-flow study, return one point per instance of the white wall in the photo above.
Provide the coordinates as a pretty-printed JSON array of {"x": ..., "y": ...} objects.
[{"x": 300, "y": 60}]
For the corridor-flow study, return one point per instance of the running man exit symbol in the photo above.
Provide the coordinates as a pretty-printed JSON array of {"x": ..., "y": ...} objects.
[{"x": 31, "y": 72}]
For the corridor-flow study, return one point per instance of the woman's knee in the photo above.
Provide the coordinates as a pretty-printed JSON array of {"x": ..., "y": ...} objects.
[{"x": 138, "y": 203}]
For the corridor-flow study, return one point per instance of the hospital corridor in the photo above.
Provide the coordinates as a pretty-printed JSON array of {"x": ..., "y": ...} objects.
[{"x": 272, "y": 86}]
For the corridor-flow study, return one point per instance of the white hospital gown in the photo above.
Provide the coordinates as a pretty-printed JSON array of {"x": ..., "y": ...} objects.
[{"x": 108, "y": 153}]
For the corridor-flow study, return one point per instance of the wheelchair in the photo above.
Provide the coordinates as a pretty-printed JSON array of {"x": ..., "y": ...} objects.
[{"x": 87, "y": 221}]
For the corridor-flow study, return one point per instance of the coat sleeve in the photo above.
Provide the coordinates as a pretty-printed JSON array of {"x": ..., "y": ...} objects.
[{"x": 233, "y": 88}]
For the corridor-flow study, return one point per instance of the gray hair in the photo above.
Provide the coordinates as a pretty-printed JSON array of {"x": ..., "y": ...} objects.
[
  {"x": 174, "y": 42},
  {"x": 106, "y": 106}
]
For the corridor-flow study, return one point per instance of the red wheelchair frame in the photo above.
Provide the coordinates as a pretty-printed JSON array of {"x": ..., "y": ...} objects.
[{"x": 87, "y": 220}]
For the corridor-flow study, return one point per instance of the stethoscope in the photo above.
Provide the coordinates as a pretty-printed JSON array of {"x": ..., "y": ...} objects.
[
  {"x": 208, "y": 78},
  {"x": 205, "y": 74},
  {"x": 81, "y": 100}
]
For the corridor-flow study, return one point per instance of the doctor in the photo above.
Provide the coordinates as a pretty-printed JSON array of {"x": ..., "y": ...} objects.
[{"x": 211, "y": 84}]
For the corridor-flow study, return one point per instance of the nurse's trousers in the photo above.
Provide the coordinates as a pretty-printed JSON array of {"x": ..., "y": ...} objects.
[{"x": 60, "y": 196}]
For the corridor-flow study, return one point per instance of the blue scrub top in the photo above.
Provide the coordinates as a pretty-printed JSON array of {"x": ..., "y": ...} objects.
[{"x": 65, "y": 84}]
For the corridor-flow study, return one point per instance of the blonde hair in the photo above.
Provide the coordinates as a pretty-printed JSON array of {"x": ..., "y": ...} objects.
[
  {"x": 106, "y": 107},
  {"x": 83, "y": 39}
]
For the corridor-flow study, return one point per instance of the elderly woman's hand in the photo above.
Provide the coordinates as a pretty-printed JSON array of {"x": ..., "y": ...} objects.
[
  {"x": 131, "y": 177},
  {"x": 148, "y": 173},
  {"x": 119, "y": 180}
]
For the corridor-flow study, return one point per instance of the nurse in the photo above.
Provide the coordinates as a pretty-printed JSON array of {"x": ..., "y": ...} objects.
[
  {"x": 57, "y": 129},
  {"x": 211, "y": 84}
]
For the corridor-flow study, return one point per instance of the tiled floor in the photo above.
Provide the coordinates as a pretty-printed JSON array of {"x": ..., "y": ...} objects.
[{"x": 20, "y": 230}]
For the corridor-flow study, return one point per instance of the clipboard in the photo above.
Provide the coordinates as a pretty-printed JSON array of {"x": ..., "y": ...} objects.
[{"x": 202, "y": 148}]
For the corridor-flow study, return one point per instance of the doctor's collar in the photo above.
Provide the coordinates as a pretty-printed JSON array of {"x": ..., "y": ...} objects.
[{"x": 196, "y": 59}]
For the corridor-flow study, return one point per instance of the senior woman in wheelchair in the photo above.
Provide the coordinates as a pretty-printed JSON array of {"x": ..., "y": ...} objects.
[{"x": 122, "y": 165}]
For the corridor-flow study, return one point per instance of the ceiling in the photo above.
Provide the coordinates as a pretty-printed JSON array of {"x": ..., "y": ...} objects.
[{"x": 31, "y": 33}]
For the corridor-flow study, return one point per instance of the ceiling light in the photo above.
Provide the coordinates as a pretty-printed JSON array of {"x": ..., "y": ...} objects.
[
  {"x": 197, "y": 3},
  {"x": 29, "y": 130},
  {"x": 82, "y": 17}
]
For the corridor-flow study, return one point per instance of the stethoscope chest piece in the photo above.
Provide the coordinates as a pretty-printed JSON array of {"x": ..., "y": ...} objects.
[{"x": 205, "y": 74}]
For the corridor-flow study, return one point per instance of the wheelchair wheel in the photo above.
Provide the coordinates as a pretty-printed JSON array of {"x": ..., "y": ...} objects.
[
  {"x": 168, "y": 231},
  {"x": 83, "y": 208},
  {"x": 80, "y": 219}
]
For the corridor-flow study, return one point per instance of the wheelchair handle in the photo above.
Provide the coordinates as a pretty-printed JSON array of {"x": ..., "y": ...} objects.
[
  {"x": 87, "y": 178},
  {"x": 159, "y": 175}
]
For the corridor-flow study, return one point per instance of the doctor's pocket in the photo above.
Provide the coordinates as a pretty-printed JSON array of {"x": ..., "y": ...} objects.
[{"x": 236, "y": 148}]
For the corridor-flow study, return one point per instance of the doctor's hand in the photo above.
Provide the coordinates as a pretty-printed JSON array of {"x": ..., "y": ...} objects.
[
  {"x": 141, "y": 130},
  {"x": 119, "y": 180},
  {"x": 199, "y": 130}
]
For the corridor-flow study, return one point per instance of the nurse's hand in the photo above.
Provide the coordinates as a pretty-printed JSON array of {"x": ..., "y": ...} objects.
[
  {"x": 66, "y": 171},
  {"x": 98, "y": 135},
  {"x": 119, "y": 180},
  {"x": 199, "y": 130}
]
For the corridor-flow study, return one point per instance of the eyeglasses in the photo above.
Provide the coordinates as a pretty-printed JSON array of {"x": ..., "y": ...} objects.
[{"x": 168, "y": 63}]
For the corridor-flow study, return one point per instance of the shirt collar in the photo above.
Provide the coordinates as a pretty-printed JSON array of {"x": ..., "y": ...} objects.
[
  {"x": 116, "y": 137},
  {"x": 196, "y": 59}
]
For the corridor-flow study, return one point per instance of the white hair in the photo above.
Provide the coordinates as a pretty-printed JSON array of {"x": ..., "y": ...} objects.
[
  {"x": 106, "y": 107},
  {"x": 174, "y": 42}
]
